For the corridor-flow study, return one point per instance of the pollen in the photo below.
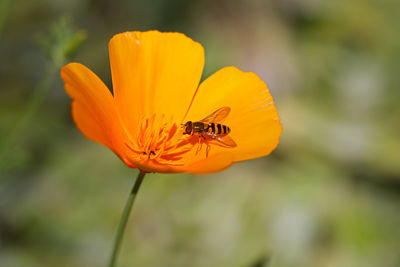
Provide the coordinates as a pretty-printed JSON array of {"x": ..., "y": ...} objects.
[{"x": 159, "y": 139}]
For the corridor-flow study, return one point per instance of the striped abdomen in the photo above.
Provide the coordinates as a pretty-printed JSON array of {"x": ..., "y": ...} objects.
[{"x": 217, "y": 128}]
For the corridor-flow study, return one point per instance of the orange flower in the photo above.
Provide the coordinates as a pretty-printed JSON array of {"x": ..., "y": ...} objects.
[{"x": 156, "y": 89}]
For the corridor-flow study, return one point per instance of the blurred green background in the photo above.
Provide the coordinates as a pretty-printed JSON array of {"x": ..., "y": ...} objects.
[{"x": 328, "y": 196}]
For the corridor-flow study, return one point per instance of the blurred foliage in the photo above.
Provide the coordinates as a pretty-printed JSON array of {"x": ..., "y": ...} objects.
[
  {"x": 59, "y": 44},
  {"x": 62, "y": 42},
  {"x": 328, "y": 196},
  {"x": 3, "y": 12}
]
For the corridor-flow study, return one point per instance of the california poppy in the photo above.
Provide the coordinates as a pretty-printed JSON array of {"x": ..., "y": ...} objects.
[{"x": 156, "y": 90}]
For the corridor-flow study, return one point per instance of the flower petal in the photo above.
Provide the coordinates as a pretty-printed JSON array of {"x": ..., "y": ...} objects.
[
  {"x": 154, "y": 72},
  {"x": 254, "y": 121},
  {"x": 214, "y": 163},
  {"x": 93, "y": 108}
]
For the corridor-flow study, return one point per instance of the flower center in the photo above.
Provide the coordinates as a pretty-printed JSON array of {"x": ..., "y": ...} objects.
[{"x": 159, "y": 139}]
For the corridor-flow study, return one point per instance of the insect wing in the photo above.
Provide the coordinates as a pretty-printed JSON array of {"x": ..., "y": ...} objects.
[
  {"x": 217, "y": 116},
  {"x": 227, "y": 141}
]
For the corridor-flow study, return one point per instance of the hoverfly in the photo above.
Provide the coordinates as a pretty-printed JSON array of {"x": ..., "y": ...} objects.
[{"x": 210, "y": 128}]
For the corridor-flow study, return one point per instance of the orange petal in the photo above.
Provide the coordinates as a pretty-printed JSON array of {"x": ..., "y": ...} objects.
[
  {"x": 93, "y": 109},
  {"x": 214, "y": 163},
  {"x": 253, "y": 119},
  {"x": 154, "y": 72}
]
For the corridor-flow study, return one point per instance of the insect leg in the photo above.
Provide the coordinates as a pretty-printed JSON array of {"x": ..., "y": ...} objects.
[
  {"x": 199, "y": 146},
  {"x": 207, "y": 150}
]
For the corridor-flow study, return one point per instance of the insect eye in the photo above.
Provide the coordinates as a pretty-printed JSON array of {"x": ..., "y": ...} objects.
[{"x": 188, "y": 127}]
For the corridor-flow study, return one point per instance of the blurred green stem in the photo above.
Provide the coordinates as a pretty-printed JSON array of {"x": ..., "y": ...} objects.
[
  {"x": 59, "y": 44},
  {"x": 3, "y": 13},
  {"x": 124, "y": 219},
  {"x": 37, "y": 98}
]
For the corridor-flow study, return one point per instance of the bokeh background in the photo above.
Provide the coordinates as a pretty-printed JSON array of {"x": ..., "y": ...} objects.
[{"x": 328, "y": 196}]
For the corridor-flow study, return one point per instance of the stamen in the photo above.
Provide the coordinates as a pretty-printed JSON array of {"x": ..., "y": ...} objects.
[
  {"x": 162, "y": 141},
  {"x": 159, "y": 139}
]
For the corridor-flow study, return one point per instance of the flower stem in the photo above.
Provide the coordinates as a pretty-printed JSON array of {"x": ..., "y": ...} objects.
[
  {"x": 38, "y": 96},
  {"x": 4, "y": 5},
  {"x": 124, "y": 219}
]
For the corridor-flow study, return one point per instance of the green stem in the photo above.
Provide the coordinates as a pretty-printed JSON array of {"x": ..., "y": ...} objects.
[
  {"x": 37, "y": 98},
  {"x": 4, "y": 4},
  {"x": 124, "y": 219}
]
